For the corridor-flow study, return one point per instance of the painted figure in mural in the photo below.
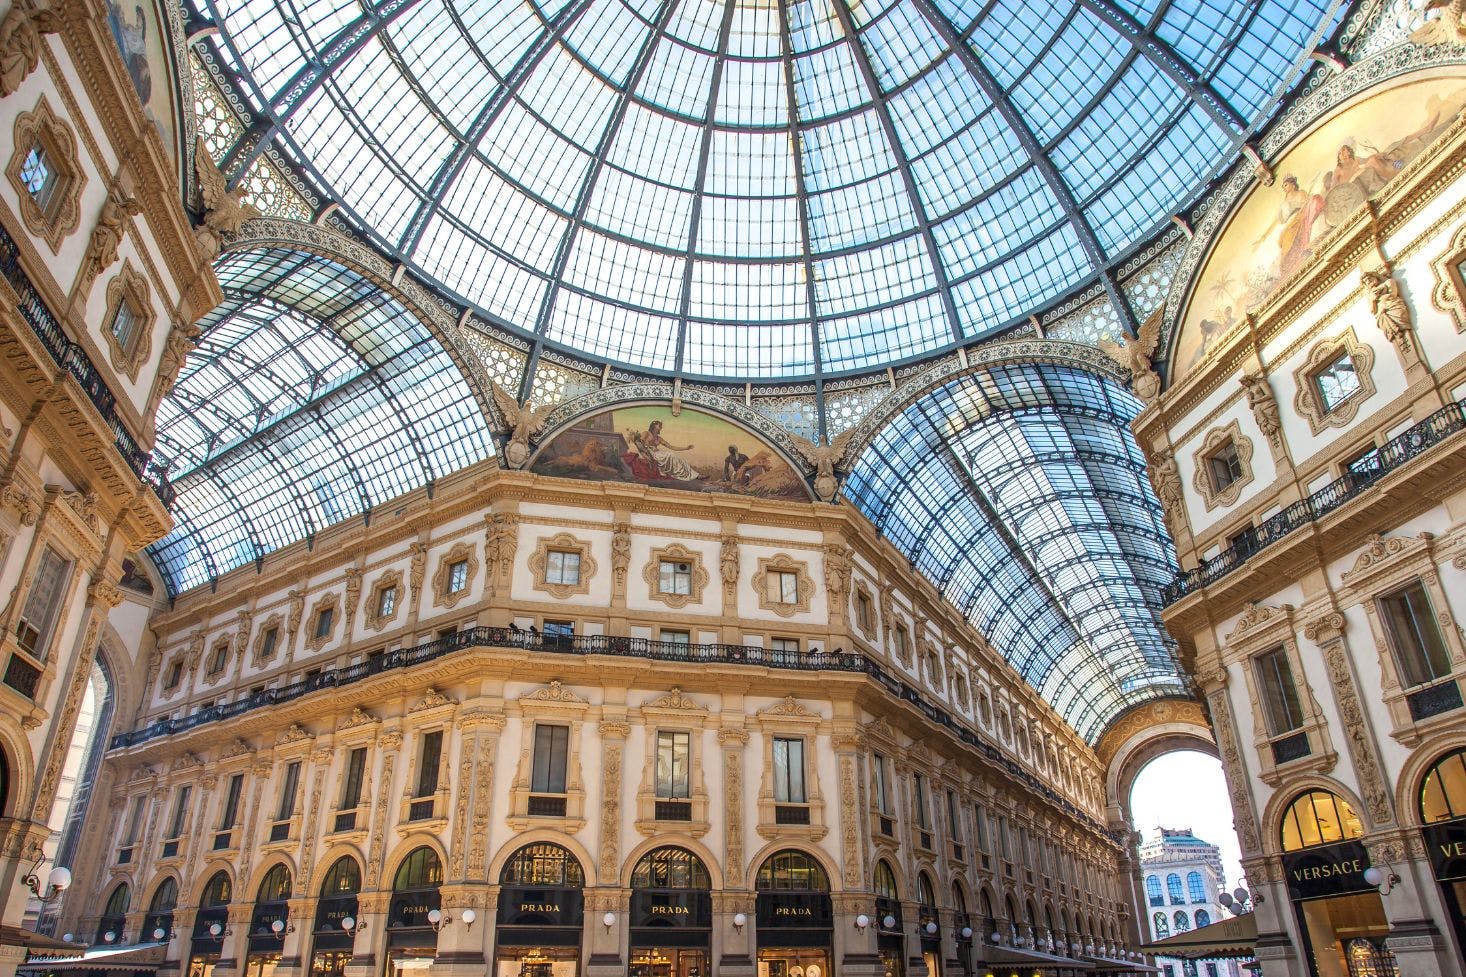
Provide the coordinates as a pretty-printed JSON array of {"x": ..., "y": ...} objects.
[
  {"x": 131, "y": 34},
  {"x": 1297, "y": 213},
  {"x": 654, "y": 449}
]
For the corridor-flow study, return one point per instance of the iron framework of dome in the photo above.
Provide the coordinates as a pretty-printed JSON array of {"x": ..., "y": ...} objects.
[{"x": 759, "y": 189}]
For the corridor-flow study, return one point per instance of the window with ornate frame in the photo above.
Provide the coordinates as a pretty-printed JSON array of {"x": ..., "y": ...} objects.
[
  {"x": 1329, "y": 398},
  {"x": 44, "y": 599},
  {"x": 785, "y": 586},
  {"x": 454, "y": 577},
  {"x": 672, "y": 788},
  {"x": 46, "y": 173},
  {"x": 790, "y": 802},
  {"x": 865, "y": 613},
  {"x": 1223, "y": 466},
  {"x": 220, "y": 656},
  {"x": 548, "y": 790},
  {"x": 385, "y": 601},
  {"x": 1449, "y": 294},
  {"x": 267, "y": 642},
  {"x": 323, "y": 622},
  {"x": 675, "y": 576},
  {"x": 552, "y": 571},
  {"x": 128, "y": 323}
]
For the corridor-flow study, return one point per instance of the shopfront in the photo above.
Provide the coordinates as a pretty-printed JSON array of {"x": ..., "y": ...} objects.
[
  {"x": 671, "y": 915},
  {"x": 113, "y": 921},
  {"x": 336, "y": 918},
  {"x": 795, "y": 917},
  {"x": 541, "y": 913},
  {"x": 268, "y": 923},
  {"x": 928, "y": 926},
  {"x": 1443, "y": 816},
  {"x": 890, "y": 937},
  {"x": 158, "y": 923},
  {"x": 412, "y": 935},
  {"x": 210, "y": 925},
  {"x": 1340, "y": 915}
]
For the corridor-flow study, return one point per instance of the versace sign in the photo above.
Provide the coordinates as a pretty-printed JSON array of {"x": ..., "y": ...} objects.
[
  {"x": 1447, "y": 846},
  {"x": 1328, "y": 870}
]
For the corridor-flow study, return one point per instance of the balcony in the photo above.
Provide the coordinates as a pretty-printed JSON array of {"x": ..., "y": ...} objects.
[
  {"x": 1390, "y": 456},
  {"x": 22, "y": 676}
]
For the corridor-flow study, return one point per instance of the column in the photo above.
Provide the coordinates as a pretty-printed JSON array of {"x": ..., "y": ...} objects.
[
  {"x": 604, "y": 947},
  {"x": 371, "y": 933},
  {"x": 734, "y": 943},
  {"x": 461, "y": 943}
]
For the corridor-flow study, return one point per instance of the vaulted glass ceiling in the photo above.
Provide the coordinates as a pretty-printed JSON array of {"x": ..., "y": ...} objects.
[
  {"x": 1020, "y": 493},
  {"x": 311, "y": 398},
  {"x": 752, "y": 188}
]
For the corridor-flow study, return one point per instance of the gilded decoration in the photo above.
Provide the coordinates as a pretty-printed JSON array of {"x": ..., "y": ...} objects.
[
  {"x": 539, "y": 565},
  {"x": 443, "y": 576},
  {"x": 783, "y": 563},
  {"x": 319, "y": 637},
  {"x": 130, "y": 288},
  {"x": 1449, "y": 294},
  {"x": 375, "y": 619},
  {"x": 1201, "y": 478},
  {"x": 675, "y": 553},
  {"x": 1308, "y": 401},
  {"x": 42, "y": 129}
]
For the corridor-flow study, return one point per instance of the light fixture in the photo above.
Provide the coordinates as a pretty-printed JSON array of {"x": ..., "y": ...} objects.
[
  {"x": 862, "y": 921},
  {"x": 110, "y": 936},
  {"x": 57, "y": 881},
  {"x": 350, "y": 924},
  {"x": 608, "y": 921},
  {"x": 160, "y": 935},
  {"x": 437, "y": 919},
  {"x": 931, "y": 929},
  {"x": 889, "y": 922},
  {"x": 1383, "y": 879},
  {"x": 967, "y": 932},
  {"x": 68, "y": 937},
  {"x": 218, "y": 931},
  {"x": 281, "y": 928},
  {"x": 469, "y": 917},
  {"x": 739, "y": 921}
]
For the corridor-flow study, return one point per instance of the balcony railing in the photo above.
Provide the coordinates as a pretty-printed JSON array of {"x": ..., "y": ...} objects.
[
  {"x": 72, "y": 358},
  {"x": 1386, "y": 459},
  {"x": 597, "y": 644}
]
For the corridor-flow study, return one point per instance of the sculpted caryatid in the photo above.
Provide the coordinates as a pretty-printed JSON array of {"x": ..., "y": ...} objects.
[
  {"x": 1167, "y": 482},
  {"x": 107, "y": 235},
  {"x": 1264, "y": 407},
  {"x": 21, "y": 44},
  {"x": 1390, "y": 310}
]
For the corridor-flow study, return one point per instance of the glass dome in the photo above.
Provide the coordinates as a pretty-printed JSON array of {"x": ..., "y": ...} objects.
[{"x": 760, "y": 189}]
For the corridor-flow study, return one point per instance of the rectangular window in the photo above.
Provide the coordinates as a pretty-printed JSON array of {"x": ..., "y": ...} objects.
[
  {"x": 220, "y": 659},
  {"x": 230, "y": 816},
  {"x": 784, "y": 649},
  {"x": 355, "y": 777},
  {"x": 1336, "y": 382},
  {"x": 180, "y": 811},
  {"x": 325, "y": 617},
  {"x": 902, "y": 642},
  {"x": 135, "y": 826},
  {"x": 562, "y": 567},
  {"x": 386, "y": 601},
  {"x": 674, "y": 762},
  {"x": 789, "y": 771},
  {"x": 1224, "y": 466},
  {"x": 783, "y": 587},
  {"x": 881, "y": 787},
  {"x": 954, "y": 817},
  {"x": 43, "y": 603},
  {"x": 1415, "y": 637},
  {"x": 559, "y": 629},
  {"x": 551, "y": 750},
  {"x": 676, "y": 577},
  {"x": 427, "y": 771},
  {"x": 39, "y": 177},
  {"x": 1279, "y": 694},
  {"x": 457, "y": 576},
  {"x": 267, "y": 644},
  {"x": 124, "y": 324},
  {"x": 918, "y": 790},
  {"x": 982, "y": 828},
  {"x": 287, "y": 791},
  {"x": 863, "y": 614},
  {"x": 677, "y": 637}
]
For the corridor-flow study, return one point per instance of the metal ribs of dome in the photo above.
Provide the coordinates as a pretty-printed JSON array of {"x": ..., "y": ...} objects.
[{"x": 760, "y": 189}]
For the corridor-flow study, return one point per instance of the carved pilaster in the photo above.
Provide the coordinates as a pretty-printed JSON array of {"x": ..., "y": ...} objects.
[
  {"x": 1237, "y": 782},
  {"x": 1328, "y": 633},
  {"x": 733, "y": 740}
]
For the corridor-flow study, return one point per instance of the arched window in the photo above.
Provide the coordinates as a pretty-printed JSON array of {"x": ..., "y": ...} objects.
[
  {"x": 1160, "y": 925},
  {"x": 925, "y": 896},
  {"x": 1319, "y": 818},
  {"x": 670, "y": 868},
  {"x": 119, "y": 901},
  {"x": 1153, "y": 890},
  {"x": 959, "y": 901},
  {"x": 1203, "y": 918},
  {"x": 1443, "y": 792},
  {"x": 885, "y": 881},
  {"x": 114, "y": 916},
  {"x": 342, "y": 879},
  {"x": 1195, "y": 887},
  {"x": 1183, "y": 923},
  {"x": 791, "y": 871},
  {"x": 165, "y": 897},
  {"x": 543, "y": 864},
  {"x": 1173, "y": 889},
  {"x": 420, "y": 870},
  {"x": 218, "y": 892},
  {"x": 275, "y": 887}
]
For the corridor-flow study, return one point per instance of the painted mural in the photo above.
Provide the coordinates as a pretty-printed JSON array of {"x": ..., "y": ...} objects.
[
  {"x": 143, "y": 44},
  {"x": 1319, "y": 183},
  {"x": 692, "y": 450}
]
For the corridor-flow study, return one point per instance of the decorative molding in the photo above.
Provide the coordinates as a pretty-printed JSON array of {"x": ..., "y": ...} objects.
[
  {"x": 1449, "y": 294},
  {"x": 1379, "y": 551},
  {"x": 330, "y": 602},
  {"x": 432, "y": 699},
  {"x": 555, "y": 691},
  {"x": 63, "y": 213},
  {"x": 1307, "y": 402},
  {"x": 652, "y": 574},
  {"x": 1201, "y": 458},
  {"x": 276, "y": 622},
  {"x": 1257, "y": 615},
  {"x": 375, "y": 619},
  {"x": 675, "y": 700},
  {"x": 783, "y": 563},
  {"x": 1264, "y": 408},
  {"x": 539, "y": 564},
  {"x": 293, "y": 734},
  {"x": 789, "y": 707},
  {"x": 132, "y": 288},
  {"x": 356, "y": 720},
  {"x": 457, "y": 553}
]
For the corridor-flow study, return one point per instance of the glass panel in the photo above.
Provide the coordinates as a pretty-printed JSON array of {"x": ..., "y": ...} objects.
[
  {"x": 1415, "y": 636},
  {"x": 1443, "y": 792},
  {"x": 674, "y": 757},
  {"x": 1337, "y": 382},
  {"x": 1279, "y": 694},
  {"x": 551, "y": 746}
]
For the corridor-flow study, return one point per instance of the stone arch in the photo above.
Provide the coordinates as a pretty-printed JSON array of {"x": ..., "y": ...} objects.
[
  {"x": 1283, "y": 798},
  {"x": 1142, "y": 733},
  {"x": 832, "y": 871},
  {"x": 158, "y": 880},
  {"x": 703, "y": 853},
  {"x": 332, "y": 855},
  {"x": 18, "y": 775},
  {"x": 549, "y": 836},
  {"x": 206, "y": 875},
  {"x": 406, "y": 847},
  {"x": 252, "y": 889},
  {"x": 897, "y": 872},
  {"x": 1413, "y": 770}
]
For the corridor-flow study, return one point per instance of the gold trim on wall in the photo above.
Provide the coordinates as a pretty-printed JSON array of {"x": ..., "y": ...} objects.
[
  {"x": 1307, "y": 402},
  {"x": 539, "y": 563},
  {"x": 652, "y": 574}
]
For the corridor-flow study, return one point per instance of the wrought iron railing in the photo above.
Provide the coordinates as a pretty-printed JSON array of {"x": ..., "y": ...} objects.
[
  {"x": 1365, "y": 473},
  {"x": 598, "y": 644},
  {"x": 72, "y": 358}
]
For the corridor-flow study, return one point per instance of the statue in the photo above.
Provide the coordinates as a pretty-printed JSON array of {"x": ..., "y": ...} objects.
[
  {"x": 1167, "y": 482},
  {"x": 620, "y": 552},
  {"x": 824, "y": 456},
  {"x": 728, "y": 560},
  {"x": 522, "y": 421},
  {"x": 1264, "y": 407},
  {"x": 1135, "y": 355},
  {"x": 1390, "y": 310},
  {"x": 1448, "y": 28},
  {"x": 21, "y": 44},
  {"x": 107, "y": 235},
  {"x": 224, "y": 210},
  {"x": 181, "y": 339}
]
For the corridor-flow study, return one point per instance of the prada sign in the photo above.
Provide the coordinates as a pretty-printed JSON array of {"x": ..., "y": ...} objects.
[
  {"x": 671, "y": 908},
  {"x": 794, "y": 910},
  {"x": 540, "y": 906},
  {"x": 1447, "y": 846},
  {"x": 1329, "y": 870}
]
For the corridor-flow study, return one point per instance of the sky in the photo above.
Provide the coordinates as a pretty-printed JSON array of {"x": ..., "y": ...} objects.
[{"x": 1186, "y": 789}]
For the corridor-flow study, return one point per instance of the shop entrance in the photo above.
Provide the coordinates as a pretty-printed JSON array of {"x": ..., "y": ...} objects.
[
  {"x": 412, "y": 941},
  {"x": 541, "y": 908},
  {"x": 795, "y": 917},
  {"x": 268, "y": 923},
  {"x": 330, "y": 940},
  {"x": 1443, "y": 814},
  {"x": 209, "y": 926},
  {"x": 671, "y": 915},
  {"x": 890, "y": 940}
]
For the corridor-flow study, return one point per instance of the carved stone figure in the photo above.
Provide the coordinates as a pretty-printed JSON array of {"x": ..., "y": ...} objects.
[
  {"x": 1166, "y": 480},
  {"x": 1389, "y": 308},
  {"x": 21, "y": 44},
  {"x": 501, "y": 538},
  {"x": 419, "y": 569},
  {"x": 1448, "y": 28},
  {"x": 728, "y": 561},
  {"x": 620, "y": 552},
  {"x": 837, "y": 568},
  {"x": 1264, "y": 407},
  {"x": 1135, "y": 355},
  {"x": 107, "y": 235},
  {"x": 825, "y": 457},
  {"x": 522, "y": 422}
]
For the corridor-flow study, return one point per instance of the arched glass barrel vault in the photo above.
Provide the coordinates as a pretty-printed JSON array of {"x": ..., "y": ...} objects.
[
  {"x": 734, "y": 189},
  {"x": 312, "y": 397},
  {"x": 1020, "y": 492}
]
